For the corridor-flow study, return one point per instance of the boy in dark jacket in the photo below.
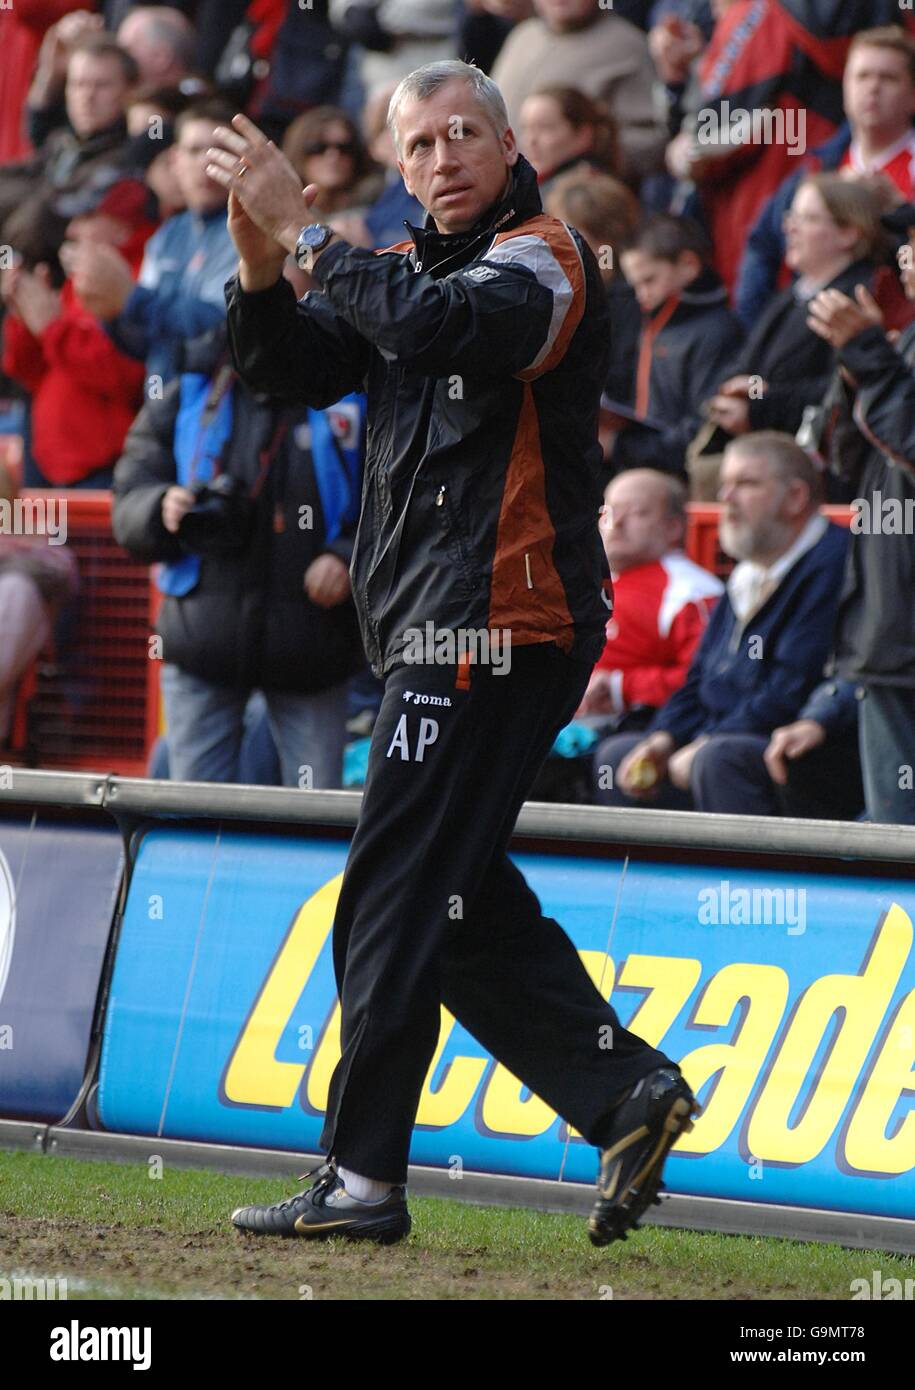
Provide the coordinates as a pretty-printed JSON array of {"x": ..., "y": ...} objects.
[
  {"x": 689, "y": 337},
  {"x": 256, "y": 580}
]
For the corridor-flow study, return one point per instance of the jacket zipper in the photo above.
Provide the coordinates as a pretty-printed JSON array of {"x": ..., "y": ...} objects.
[{"x": 462, "y": 545}]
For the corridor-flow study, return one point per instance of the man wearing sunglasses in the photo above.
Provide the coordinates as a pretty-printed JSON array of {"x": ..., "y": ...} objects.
[{"x": 482, "y": 343}]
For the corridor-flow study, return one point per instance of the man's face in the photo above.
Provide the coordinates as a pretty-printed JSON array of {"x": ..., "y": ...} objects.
[
  {"x": 97, "y": 228},
  {"x": 636, "y": 525},
  {"x": 155, "y": 57},
  {"x": 548, "y": 139},
  {"x": 452, "y": 159},
  {"x": 96, "y": 92},
  {"x": 562, "y": 15},
  {"x": 879, "y": 93},
  {"x": 756, "y": 508},
  {"x": 199, "y": 191},
  {"x": 653, "y": 281}
]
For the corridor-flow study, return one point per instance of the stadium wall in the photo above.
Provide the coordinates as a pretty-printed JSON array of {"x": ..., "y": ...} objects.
[{"x": 773, "y": 958}]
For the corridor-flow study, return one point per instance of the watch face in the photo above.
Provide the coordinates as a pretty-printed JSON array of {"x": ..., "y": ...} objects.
[
  {"x": 311, "y": 238},
  {"x": 313, "y": 235}
]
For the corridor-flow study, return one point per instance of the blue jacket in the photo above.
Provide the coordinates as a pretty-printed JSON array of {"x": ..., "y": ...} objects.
[
  {"x": 757, "y": 278},
  {"x": 834, "y": 704},
  {"x": 179, "y": 294},
  {"x": 391, "y": 209},
  {"x": 738, "y": 685}
]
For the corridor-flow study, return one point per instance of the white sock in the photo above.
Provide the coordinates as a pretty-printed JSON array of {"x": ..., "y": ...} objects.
[{"x": 364, "y": 1189}]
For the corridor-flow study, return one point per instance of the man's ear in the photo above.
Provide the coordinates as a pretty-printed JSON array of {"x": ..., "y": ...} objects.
[
  {"x": 403, "y": 174},
  {"x": 798, "y": 497},
  {"x": 690, "y": 264},
  {"x": 676, "y": 533}
]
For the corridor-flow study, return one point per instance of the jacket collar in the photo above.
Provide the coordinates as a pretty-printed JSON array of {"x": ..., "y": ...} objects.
[
  {"x": 100, "y": 140},
  {"x": 707, "y": 291},
  {"x": 522, "y": 201}
]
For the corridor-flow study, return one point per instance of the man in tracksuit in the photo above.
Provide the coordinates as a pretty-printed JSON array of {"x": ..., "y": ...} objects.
[{"x": 482, "y": 345}]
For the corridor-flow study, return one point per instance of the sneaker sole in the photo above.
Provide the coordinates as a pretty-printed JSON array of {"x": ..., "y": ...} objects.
[
  {"x": 384, "y": 1232},
  {"x": 611, "y": 1223}
]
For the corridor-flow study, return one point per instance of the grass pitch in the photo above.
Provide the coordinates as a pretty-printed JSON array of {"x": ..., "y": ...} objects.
[{"x": 113, "y": 1231}]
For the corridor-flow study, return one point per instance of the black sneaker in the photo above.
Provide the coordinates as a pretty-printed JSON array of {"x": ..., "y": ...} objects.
[
  {"x": 327, "y": 1209},
  {"x": 644, "y": 1126}
]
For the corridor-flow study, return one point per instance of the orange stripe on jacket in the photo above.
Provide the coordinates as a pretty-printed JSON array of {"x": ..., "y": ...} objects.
[
  {"x": 526, "y": 593},
  {"x": 646, "y": 352}
]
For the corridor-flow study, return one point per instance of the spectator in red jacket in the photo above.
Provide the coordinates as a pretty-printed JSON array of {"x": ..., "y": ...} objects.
[
  {"x": 661, "y": 599},
  {"x": 767, "y": 90},
  {"x": 85, "y": 393},
  {"x": 876, "y": 142}
]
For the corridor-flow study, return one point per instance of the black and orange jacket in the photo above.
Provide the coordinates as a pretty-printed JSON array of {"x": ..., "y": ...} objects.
[{"x": 483, "y": 355}]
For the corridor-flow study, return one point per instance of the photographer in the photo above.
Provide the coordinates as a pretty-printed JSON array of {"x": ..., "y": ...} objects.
[{"x": 251, "y": 508}]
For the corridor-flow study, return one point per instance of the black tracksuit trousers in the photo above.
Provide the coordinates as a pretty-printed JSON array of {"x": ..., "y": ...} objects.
[{"x": 432, "y": 910}]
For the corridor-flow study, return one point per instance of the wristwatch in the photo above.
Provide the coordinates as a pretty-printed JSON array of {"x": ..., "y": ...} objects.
[{"x": 312, "y": 239}]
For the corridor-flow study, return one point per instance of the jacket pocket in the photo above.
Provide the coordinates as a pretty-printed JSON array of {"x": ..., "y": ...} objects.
[{"x": 447, "y": 505}]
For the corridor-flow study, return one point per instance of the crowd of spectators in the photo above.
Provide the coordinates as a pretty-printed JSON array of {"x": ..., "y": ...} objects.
[{"x": 744, "y": 172}]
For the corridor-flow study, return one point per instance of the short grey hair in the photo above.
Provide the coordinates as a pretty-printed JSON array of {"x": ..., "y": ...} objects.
[
  {"x": 785, "y": 457},
  {"x": 169, "y": 27},
  {"x": 424, "y": 82}
]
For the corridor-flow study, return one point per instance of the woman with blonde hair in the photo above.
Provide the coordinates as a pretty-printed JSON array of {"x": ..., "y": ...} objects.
[
  {"x": 834, "y": 241},
  {"x": 606, "y": 213}
]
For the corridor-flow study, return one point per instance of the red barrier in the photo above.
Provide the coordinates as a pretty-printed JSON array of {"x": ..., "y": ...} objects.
[
  {"x": 702, "y": 534},
  {"x": 95, "y": 703}
]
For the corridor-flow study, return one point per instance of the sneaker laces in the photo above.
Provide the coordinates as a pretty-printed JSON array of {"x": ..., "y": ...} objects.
[{"x": 328, "y": 1176}]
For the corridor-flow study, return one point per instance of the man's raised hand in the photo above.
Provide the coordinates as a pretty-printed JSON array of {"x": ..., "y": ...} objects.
[{"x": 267, "y": 205}]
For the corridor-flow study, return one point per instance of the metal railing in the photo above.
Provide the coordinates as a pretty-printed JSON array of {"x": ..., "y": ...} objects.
[{"x": 138, "y": 798}]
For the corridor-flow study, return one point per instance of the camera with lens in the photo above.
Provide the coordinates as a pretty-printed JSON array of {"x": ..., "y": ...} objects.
[{"x": 222, "y": 518}]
